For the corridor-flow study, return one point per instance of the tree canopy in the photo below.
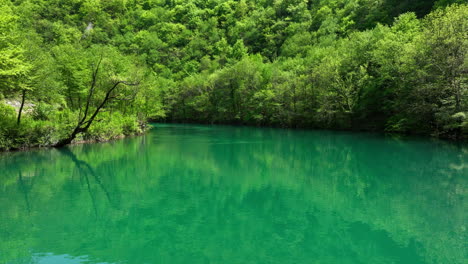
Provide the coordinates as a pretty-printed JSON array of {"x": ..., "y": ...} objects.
[{"x": 387, "y": 65}]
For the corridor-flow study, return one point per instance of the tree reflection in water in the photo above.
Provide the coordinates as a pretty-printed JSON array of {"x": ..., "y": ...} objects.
[{"x": 202, "y": 194}]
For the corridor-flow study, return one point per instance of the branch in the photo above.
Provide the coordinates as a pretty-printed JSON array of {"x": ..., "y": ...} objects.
[
  {"x": 91, "y": 90},
  {"x": 103, "y": 103}
]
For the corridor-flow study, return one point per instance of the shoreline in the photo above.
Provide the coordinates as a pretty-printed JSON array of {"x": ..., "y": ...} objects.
[
  {"x": 78, "y": 142},
  {"x": 450, "y": 137},
  {"x": 148, "y": 127}
]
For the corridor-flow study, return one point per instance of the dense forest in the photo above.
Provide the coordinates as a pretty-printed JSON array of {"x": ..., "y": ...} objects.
[{"x": 73, "y": 70}]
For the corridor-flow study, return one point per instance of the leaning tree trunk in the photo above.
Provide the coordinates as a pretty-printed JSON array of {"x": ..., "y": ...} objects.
[
  {"x": 84, "y": 124},
  {"x": 68, "y": 140},
  {"x": 21, "y": 107}
]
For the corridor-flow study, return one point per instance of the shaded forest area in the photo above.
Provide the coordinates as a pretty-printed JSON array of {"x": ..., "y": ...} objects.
[{"x": 74, "y": 70}]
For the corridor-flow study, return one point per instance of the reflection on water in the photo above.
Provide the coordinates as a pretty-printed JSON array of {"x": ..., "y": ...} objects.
[
  {"x": 218, "y": 194},
  {"x": 50, "y": 258}
]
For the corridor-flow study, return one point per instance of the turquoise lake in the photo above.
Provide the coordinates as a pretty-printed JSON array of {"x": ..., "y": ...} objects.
[{"x": 224, "y": 194}]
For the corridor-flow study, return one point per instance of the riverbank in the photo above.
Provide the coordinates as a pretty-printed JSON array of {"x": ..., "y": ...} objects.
[
  {"x": 459, "y": 135},
  {"x": 110, "y": 133},
  {"x": 44, "y": 125},
  {"x": 34, "y": 132},
  {"x": 75, "y": 142}
]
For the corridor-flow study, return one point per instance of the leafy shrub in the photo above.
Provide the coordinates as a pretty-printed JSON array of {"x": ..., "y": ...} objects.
[
  {"x": 42, "y": 111},
  {"x": 106, "y": 127},
  {"x": 7, "y": 122}
]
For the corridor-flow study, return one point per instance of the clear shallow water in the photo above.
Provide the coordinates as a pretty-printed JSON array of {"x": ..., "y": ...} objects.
[{"x": 220, "y": 194}]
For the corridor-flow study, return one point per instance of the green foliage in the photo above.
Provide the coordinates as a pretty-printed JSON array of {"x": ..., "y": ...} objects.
[
  {"x": 358, "y": 64},
  {"x": 7, "y": 121}
]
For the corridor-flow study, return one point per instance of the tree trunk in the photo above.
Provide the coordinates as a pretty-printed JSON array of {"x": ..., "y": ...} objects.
[
  {"x": 21, "y": 107},
  {"x": 84, "y": 124},
  {"x": 68, "y": 140}
]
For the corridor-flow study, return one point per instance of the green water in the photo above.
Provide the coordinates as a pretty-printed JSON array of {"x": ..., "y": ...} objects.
[{"x": 220, "y": 194}]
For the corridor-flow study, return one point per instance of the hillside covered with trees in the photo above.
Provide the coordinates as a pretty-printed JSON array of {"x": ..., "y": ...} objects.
[{"x": 74, "y": 70}]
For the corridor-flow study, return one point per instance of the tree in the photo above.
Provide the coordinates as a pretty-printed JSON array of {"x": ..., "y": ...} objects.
[
  {"x": 13, "y": 66},
  {"x": 110, "y": 71},
  {"x": 446, "y": 41}
]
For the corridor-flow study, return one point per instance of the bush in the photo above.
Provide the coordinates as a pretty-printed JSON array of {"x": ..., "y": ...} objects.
[
  {"x": 32, "y": 131},
  {"x": 106, "y": 127},
  {"x": 7, "y": 123},
  {"x": 130, "y": 126},
  {"x": 42, "y": 111},
  {"x": 45, "y": 127}
]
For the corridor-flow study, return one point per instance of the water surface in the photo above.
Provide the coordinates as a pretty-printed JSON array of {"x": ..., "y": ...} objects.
[{"x": 221, "y": 194}]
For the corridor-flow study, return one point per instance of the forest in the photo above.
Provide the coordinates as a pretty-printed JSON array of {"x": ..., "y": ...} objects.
[{"x": 96, "y": 70}]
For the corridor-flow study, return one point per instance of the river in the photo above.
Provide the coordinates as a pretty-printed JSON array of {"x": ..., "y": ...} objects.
[{"x": 221, "y": 194}]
